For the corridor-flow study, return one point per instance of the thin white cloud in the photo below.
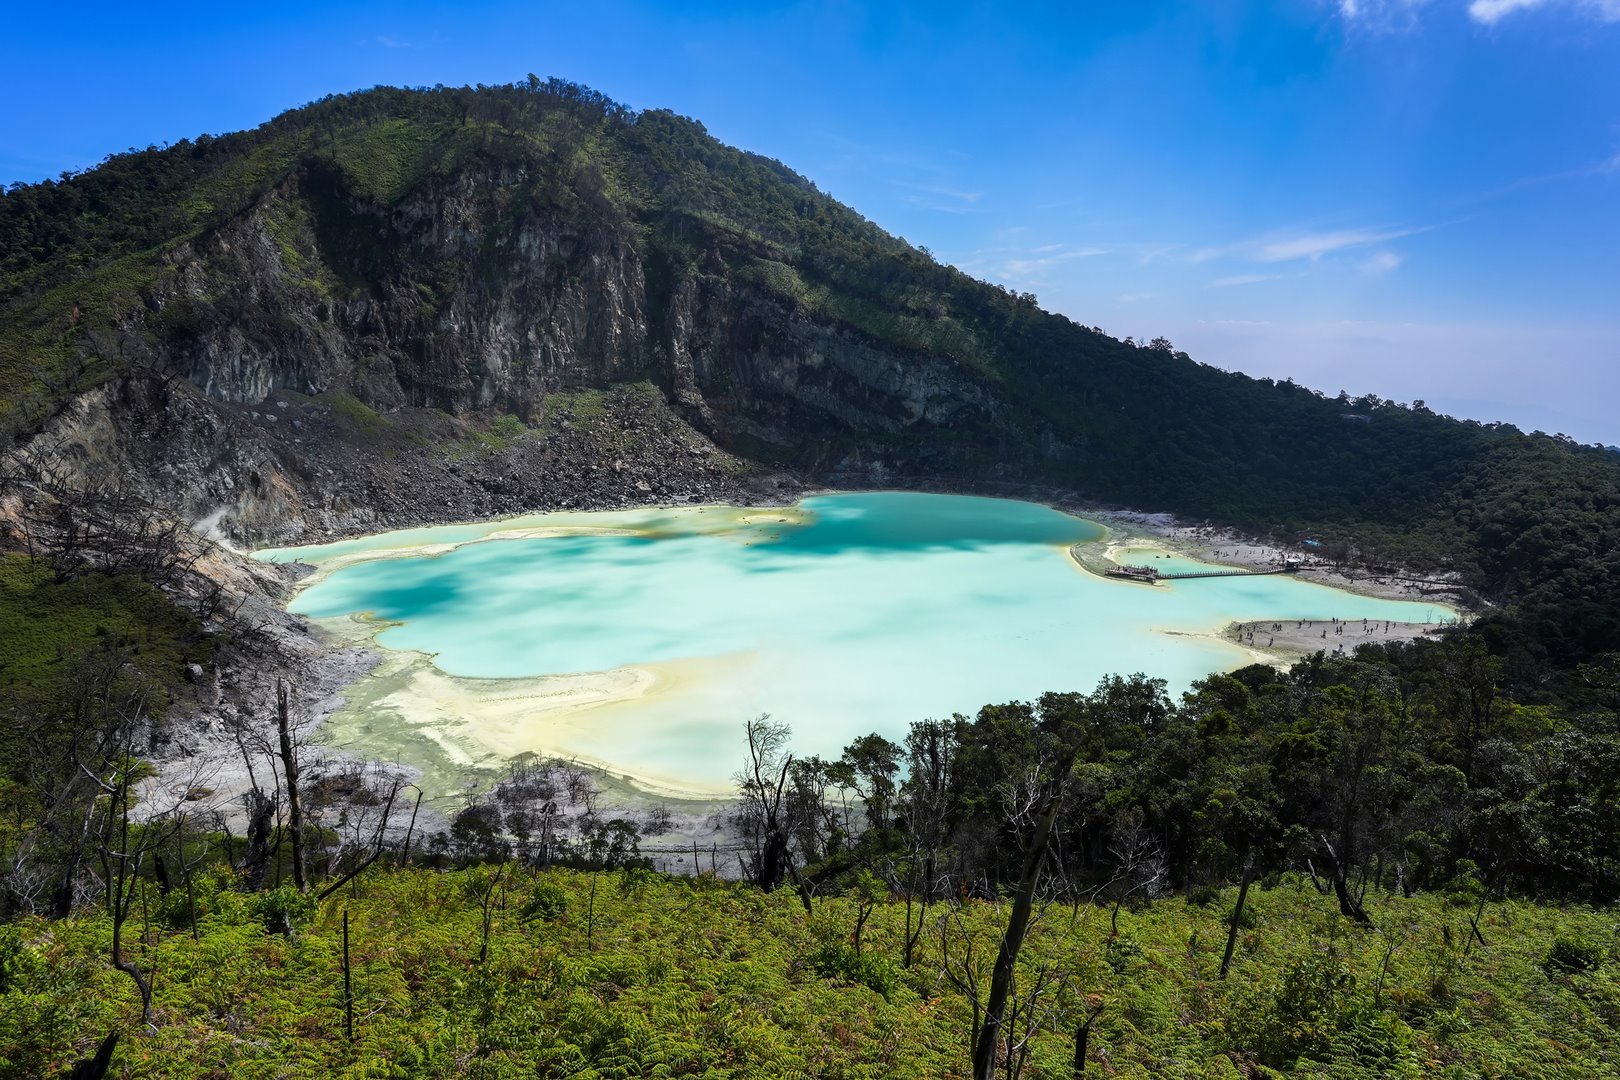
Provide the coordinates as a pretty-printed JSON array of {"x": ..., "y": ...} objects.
[
  {"x": 941, "y": 207},
  {"x": 1608, "y": 165},
  {"x": 1241, "y": 279},
  {"x": 1381, "y": 15},
  {"x": 1402, "y": 15},
  {"x": 1380, "y": 262},
  {"x": 1025, "y": 269},
  {"x": 1315, "y": 245},
  {"x": 1277, "y": 247},
  {"x": 944, "y": 192},
  {"x": 1021, "y": 266},
  {"x": 1490, "y": 12},
  {"x": 1146, "y": 253},
  {"x": 389, "y": 42}
]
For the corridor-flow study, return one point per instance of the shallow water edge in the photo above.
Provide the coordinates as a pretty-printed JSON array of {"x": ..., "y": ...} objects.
[{"x": 638, "y": 641}]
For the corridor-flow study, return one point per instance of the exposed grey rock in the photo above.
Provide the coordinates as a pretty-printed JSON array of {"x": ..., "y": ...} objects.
[{"x": 341, "y": 362}]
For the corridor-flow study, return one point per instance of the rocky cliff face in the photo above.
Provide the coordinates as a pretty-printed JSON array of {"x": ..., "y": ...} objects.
[
  {"x": 339, "y": 366},
  {"x": 788, "y": 381},
  {"x": 453, "y": 299}
]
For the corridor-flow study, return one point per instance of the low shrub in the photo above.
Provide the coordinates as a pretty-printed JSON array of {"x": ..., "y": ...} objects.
[
  {"x": 1569, "y": 954},
  {"x": 841, "y": 962},
  {"x": 546, "y": 901},
  {"x": 507, "y": 426},
  {"x": 282, "y": 909}
]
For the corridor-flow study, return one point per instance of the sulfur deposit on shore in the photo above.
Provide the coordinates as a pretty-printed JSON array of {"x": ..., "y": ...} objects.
[
  {"x": 724, "y": 520},
  {"x": 456, "y": 726},
  {"x": 1225, "y": 548},
  {"x": 1137, "y": 538}
]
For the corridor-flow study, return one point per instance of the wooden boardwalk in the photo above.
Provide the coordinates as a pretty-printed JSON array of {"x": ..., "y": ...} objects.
[{"x": 1225, "y": 573}]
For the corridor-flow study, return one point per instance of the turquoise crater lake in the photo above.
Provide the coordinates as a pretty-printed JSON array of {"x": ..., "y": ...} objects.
[{"x": 641, "y": 640}]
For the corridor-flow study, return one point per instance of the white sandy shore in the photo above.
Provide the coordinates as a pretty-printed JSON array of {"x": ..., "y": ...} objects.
[
  {"x": 1272, "y": 641},
  {"x": 1223, "y": 547},
  {"x": 449, "y": 727},
  {"x": 400, "y": 544},
  {"x": 484, "y": 723},
  {"x": 406, "y": 703}
]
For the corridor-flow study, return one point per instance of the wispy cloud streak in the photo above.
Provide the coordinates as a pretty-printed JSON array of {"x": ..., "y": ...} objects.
[
  {"x": 1241, "y": 279},
  {"x": 1403, "y": 15},
  {"x": 1491, "y": 12},
  {"x": 1315, "y": 245},
  {"x": 1277, "y": 248}
]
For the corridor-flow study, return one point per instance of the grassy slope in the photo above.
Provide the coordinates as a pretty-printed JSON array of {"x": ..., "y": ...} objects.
[
  {"x": 669, "y": 977},
  {"x": 46, "y": 625}
]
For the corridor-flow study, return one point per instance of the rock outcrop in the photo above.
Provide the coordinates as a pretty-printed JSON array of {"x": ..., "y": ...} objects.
[{"x": 339, "y": 366}]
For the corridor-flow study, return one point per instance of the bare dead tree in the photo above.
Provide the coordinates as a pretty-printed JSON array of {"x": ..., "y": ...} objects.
[
  {"x": 188, "y": 864},
  {"x": 484, "y": 887},
  {"x": 261, "y": 808},
  {"x": 1034, "y": 999},
  {"x": 549, "y": 829},
  {"x": 102, "y": 524},
  {"x": 1350, "y": 899},
  {"x": 1093, "y": 1009},
  {"x": 762, "y": 785},
  {"x": 660, "y": 819},
  {"x": 405, "y": 847},
  {"x": 63, "y": 747},
  {"x": 121, "y": 861},
  {"x": 962, "y": 953},
  {"x": 289, "y": 769},
  {"x": 579, "y": 785},
  {"x": 1139, "y": 863},
  {"x": 377, "y": 843},
  {"x": 926, "y": 799},
  {"x": 256, "y": 859},
  {"x": 348, "y": 983},
  {"x": 1032, "y": 1004},
  {"x": 95, "y": 1067},
  {"x": 1041, "y": 801},
  {"x": 528, "y": 799},
  {"x": 124, "y": 847}
]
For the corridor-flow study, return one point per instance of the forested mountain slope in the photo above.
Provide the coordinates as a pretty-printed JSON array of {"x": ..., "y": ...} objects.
[{"x": 309, "y": 326}]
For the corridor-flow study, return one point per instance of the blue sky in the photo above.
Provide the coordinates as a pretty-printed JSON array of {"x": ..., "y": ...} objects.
[{"x": 1418, "y": 198}]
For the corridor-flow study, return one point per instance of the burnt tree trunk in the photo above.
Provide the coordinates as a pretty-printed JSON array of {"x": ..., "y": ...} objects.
[
  {"x": 995, "y": 1009},
  {"x": 256, "y": 863},
  {"x": 1082, "y": 1039},
  {"x": 94, "y": 1068},
  {"x": 1237, "y": 914},
  {"x": 1349, "y": 904},
  {"x": 289, "y": 767}
]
